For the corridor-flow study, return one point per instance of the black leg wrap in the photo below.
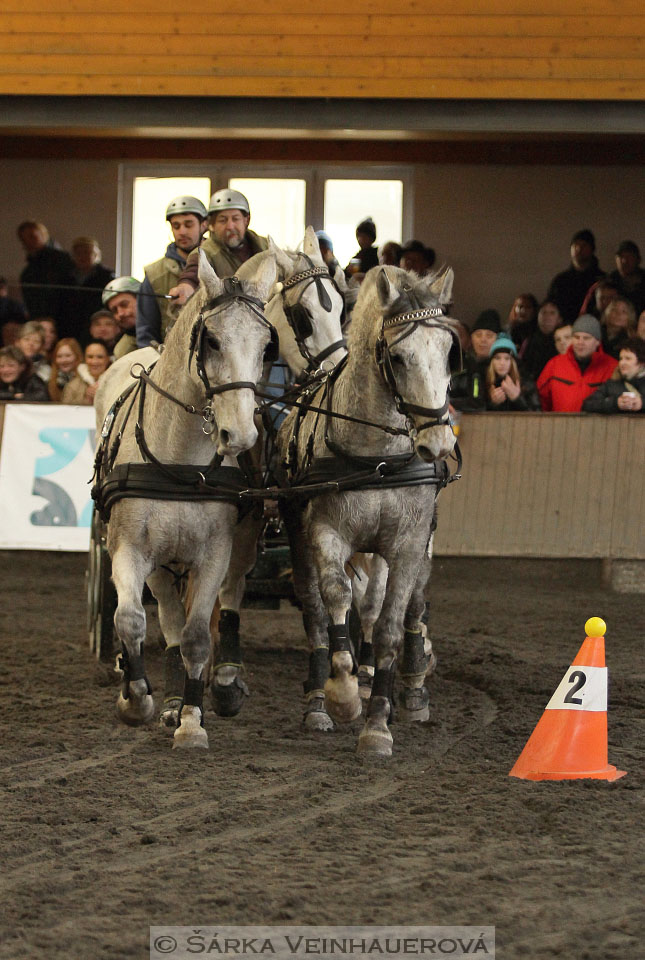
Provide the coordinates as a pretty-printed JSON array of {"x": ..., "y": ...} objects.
[
  {"x": 339, "y": 640},
  {"x": 133, "y": 669},
  {"x": 193, "y": 696},
  {"x": 229, "y": 637},
  {"x": 414, "y": 661},
  {"x": 174, "y": 674},
  {"x": 318, "y": 669},
  {"x": 383, "y": 686},
  {"x": 366, "y": 658}
]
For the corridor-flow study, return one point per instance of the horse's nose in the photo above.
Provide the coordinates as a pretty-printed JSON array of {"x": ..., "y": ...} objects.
[
  {"x": 436, "y": 444},
  {"x": 231, "y": 440}
]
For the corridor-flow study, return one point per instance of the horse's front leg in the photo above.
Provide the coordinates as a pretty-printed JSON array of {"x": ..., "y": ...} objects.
[
  {"x": 368, "y": 600},
  {"x": 228, "y": 688},
  {"x": 375, "y": 738},
  {"x": 129, "y": 571},
  {"x": 172, "y": 619},
  {"x": 418, "y": 659},
  {"x": 331, "y": 553},
  {"x": 196, "y": 644}
]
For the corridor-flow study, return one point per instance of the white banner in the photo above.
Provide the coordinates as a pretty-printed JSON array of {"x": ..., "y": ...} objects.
[{"x": 46, "y": 461}]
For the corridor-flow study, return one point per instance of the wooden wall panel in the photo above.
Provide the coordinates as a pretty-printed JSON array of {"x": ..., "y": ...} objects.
[
  {"x": 547, "y": 485},
  {"x": 375, "y": 48}
]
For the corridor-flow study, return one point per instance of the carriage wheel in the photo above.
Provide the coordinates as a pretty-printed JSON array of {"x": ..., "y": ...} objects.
[{"x": 101, "y": 594}]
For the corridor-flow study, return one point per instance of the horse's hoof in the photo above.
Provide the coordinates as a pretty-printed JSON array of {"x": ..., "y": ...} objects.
[
  {"x": 374, "y": 742},
  {"x": 413, "y": 704},
  {"x": 365, "y": 678},
  {"x": 342, "y": 699},
  {"x": 316, "y": 718},
  {"x": 135, "y": 712},
  {"x": 228, "y": 698},
  {"x": 169, "y": 716},
  {"x": 190, "y": 734}
]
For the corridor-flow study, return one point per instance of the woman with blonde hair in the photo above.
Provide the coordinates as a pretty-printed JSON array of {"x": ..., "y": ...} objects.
[
  {"x": 67, "y": 356},
  {"x": 618, "y": 323},
  {"x": 503, "y": 383}
]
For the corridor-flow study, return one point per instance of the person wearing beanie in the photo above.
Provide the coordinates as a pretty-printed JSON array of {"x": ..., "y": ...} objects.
[
  {"x": 503, "y": 384},
  {"x": 468, "y": 391},
  {"x": 568, "y": 379},
  {"x": 416, "y": 256},
  {"x": 327, "y": 251},
  {"x": 367, "y": 254},
  {"x": 569, "y": 288},
  {"x": 624, "y": 392}
]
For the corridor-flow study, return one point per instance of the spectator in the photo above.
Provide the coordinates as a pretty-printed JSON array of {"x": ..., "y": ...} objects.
[
  {"x": 618, "y": 324},
  {"x": 624, "y": 391},
  {"x": 503, "y": 384},
  {"x": 51, "y": 336},
  {"x": 48, "y": 269},
  {"x": 120, "y": 297},
  {"x": 389, "y": 254},
  {"x": 31, "y": 340},
  {"x": 82, "y": 387},
  {"x": 229, "y": 244},
  {"x": 629, "y": 276},
  {"x": 367, "y": 254},
  {"x": 569, "y": 288},
  {"x": 327, "y": 251},
  {"x": 187, "y": 218},
  {"x": 17, "y": 382},
  {"x": 522, "y": 318},
  {"x": 67, "y": 356},
  {"x": 12, "y": 314},
  {"x": 468, "y": 390},
  {"x": 104, "y": 327},
  {"x": 568, "y": 379},
  {"x": 599, "y": 295},
  {"x": 640, "y": 326},
  {"x": 562, "y": 337},
  {"x": 538, "y": 348},
  {"x": 415, "y": 256},
  {"x": 90, "y": 276}
]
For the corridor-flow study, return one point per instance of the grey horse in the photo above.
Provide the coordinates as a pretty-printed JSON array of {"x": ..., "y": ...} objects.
[{"x": 397, "y": 376}]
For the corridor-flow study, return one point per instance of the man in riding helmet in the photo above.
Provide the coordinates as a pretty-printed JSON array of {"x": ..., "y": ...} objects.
[
  {"x": 187, "y": 219},
  {"x": 120, "y": 297},
  {"x": 229, "y": 244}
]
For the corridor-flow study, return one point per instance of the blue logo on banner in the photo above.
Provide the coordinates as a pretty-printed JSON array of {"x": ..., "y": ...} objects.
[{"x": 66, "y": 443}]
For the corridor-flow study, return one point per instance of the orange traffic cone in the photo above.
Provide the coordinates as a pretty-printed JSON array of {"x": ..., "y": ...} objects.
[{"x": 570, "y": 740}]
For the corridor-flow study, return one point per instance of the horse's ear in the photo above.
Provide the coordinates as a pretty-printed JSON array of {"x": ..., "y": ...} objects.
[
  {"x": 386, "y": 292},
  {"x": 283, "y": 260},
  {"x": 310, "y": 244},
  {"x": 208, "y": 278},
  {"x": 264, "y": 278},
  {"x": 441, "y": 285}
]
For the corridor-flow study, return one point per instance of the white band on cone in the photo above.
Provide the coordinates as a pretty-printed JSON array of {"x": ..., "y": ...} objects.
[{"x": 581, "y": 688}]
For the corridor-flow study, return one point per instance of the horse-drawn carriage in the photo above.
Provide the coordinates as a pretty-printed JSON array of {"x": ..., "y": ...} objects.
[{"x": 355, "y": 466}]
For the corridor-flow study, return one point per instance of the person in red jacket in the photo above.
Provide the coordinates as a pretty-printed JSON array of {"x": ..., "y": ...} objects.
[{"x": 568, "y": 379}]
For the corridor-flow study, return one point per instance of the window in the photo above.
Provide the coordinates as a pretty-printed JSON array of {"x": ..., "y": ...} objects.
[
  {"x": 277, "y": 207},
  {"x": 347, "y": 202}
]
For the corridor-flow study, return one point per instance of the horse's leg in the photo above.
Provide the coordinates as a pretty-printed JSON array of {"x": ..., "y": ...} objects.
[
  {"x": 331, "y": 553},
  {"x": 129, "y": 571},
  {"x": 369, "y": 602},
  {"x": 418, "y": 658},
  {"x": 172, "y": 619},
  {"x": 375, "y": 738},
  {"x": 196, "y": 644},
  {"x": 314, "y": 618},
  {"x": 228, "y": 689}
]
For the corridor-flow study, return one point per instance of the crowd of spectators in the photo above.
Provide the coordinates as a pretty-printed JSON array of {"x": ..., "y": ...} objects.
[{"x": 580, "y": 349}]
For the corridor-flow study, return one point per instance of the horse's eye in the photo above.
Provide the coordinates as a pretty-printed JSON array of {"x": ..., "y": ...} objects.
[
  {"x": 212, "y": 341},
  {"x": 396, "y": 359}
]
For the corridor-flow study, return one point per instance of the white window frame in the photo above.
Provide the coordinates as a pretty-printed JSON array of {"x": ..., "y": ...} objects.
[{"x": 220, "y": 171}]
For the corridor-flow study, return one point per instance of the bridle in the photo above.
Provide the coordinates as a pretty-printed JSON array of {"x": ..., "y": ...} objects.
[
  {"x": 426, "y": 317},
  {"x": 299, "y": 318}
]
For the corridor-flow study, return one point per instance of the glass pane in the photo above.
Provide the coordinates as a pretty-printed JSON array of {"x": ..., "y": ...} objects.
[
  {"x": 277, "y": 207},
  {"x": 150, "y": 232},
  {"x": 347, "y": 202}
]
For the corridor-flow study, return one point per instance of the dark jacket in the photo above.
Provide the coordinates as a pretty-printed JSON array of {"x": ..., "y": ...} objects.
[
  {"x": 11, "y": 311},
  {"x": 29, "y": 388},
  {"x": 82, "y": 303},
  {"x": 468, "y": 388},
  {"x": 633, "y": 289},
  {"x": 535, "y": 353},
  {"x": 569, "y": 289},
  {"x": 605, "y": 398},
  {"x": 49, "y": 266}
]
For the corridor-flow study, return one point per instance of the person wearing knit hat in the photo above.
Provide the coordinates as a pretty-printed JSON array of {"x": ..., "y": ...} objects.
[
  {"x": 468, "y": 391},
  {"x": 569, "y": 288},
  {"x": 483, "y": 333},
  {"x": 367, "y": 255},
  {"x": 327, "y": 251},
  {"x": 568, "y": 379},
  {"x": 502, "y": 380},
  {"x": 503, "y": 344},
  {"x": 416, "y": 256}
]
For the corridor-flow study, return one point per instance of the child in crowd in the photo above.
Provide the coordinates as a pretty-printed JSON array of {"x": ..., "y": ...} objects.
[
  {"x": 67, "y": 356},
  {"x": 17, "y": 380},
  {"x": 104, "y": 327},
  {"x": 562, "y": 337},
  {"x": 31, "y": 340},
  {"x": 503, "y": 383},
  {"x": 81, "y": 389},
  {"x": 625, "y": 390}
]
